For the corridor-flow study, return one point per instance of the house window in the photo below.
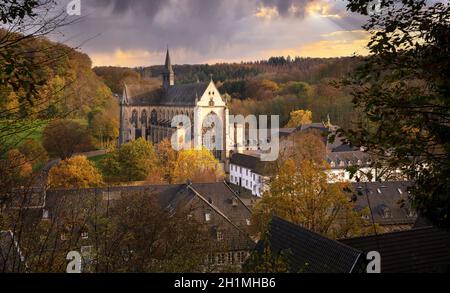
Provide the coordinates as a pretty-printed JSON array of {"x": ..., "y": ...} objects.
[
  {"x": 219, "y": 236},
  {"x": 45, "y": 214},
  {"x": 400, "y": 191},
  {"x": 230, "y": 258},
  {"x": 386, "y": 213},
  {"x": 248, "y": 222},
  {"x": 207, "y": 217},
  {"x": 84, "y": 235},
  {"x": 210, "y": 259},
  {"x": 241, "y": 256},
  {"x": 221, "y": 258},
  {"x": 64, "y": 236}
]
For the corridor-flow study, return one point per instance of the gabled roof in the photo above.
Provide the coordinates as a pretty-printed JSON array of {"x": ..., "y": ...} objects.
[
  {"x": 414, "y": 251},
  {"x": 184, "y": 94},
  {"x": 342, "y": 160},
  {"x": 388, "y": 200},
  {"x": 310, "y": 252},
  {"x": 215, "y": 198},
  {"x": 251, "y": 162},
  {"x": 176, "y": 95}
]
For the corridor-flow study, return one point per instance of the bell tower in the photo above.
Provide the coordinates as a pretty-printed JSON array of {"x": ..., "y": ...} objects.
[{"x": 168, "y": 74}]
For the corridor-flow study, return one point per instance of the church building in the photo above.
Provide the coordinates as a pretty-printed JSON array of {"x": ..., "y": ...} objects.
[{"x": 149, "y": 113}]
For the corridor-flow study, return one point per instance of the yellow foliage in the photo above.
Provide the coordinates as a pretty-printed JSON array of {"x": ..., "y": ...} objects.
[
  {"x": 300, "y": 117},
  {"x": 76, "y": 172},
  {"x": 197, "y": 166},
  {"x": 301, "y": 194}
]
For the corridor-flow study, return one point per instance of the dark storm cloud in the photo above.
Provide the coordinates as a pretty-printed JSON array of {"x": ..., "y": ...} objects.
[
  {"x": 147, "y": 7},
  {"x": 205, "y": 27},
  {"x": 284, "y": 6}
]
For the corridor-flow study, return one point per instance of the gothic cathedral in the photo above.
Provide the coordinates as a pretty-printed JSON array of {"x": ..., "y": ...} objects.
[{"x": 149, "y": 113}]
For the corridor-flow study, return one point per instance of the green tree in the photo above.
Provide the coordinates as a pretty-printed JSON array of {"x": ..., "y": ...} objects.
[
  {"x": 402, "y": 92},
  {"x": 133, "y": 161},
  {"x": 34, "y": 152},
  {"x": 264, "y": 260}
]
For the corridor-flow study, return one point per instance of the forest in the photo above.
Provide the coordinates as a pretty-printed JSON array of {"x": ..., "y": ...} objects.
[{"x": 276, "y": 86}]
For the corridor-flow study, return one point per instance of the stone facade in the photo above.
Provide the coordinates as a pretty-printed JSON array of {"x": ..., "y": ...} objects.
[{"x": 149, "y": 113}]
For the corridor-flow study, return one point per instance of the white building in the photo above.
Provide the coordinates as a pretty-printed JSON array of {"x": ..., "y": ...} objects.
[{"x": 250, "y": 173}]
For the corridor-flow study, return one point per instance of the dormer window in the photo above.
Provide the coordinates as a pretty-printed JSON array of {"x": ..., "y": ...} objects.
[
  {"x": 410, "y": 213},
  {"x": 379, "y": 190},
  {"x": 219, "y": 236},
  {"x": 45, "y": 214},
  {"x": 399, "y": 191},
  {"x": 248, "y": 222},
  {"x": 385, "y": 212},
  {"x": 207, "y": 217}
]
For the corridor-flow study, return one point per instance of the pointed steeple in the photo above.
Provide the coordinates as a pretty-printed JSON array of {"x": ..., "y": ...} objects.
[
  {"x": 168, "y": 74},
  {"x": 168, "y": 64}
]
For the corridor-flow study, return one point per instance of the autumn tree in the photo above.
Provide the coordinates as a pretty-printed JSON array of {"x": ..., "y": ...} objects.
[
  {"x": 299, "y": 118},
  {"x": 64, "y": 138},
  {"x": 133, "y": 161},
  {"x": 304, "y": 146},
  {"x": 75, "y": 172},
  {"x": 15, "y": 169},
  {"x": 402, "y": 92},
  {"x": 197, "y": 166},
  {"x": 105, "y": 128},
  {"x": 142, "y": 236},
  {"x": 34, "y": 152},
  {"x": 301, "y": 194},
  {"x": 167, "y": 158}
]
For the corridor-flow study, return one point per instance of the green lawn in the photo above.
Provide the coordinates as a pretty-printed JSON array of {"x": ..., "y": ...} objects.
[
  {"x": 96, "y": 160},
  {"x": 34, "y": 129}
]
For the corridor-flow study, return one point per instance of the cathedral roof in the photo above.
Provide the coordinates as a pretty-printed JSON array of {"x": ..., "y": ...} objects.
[{"x": 176, "y": 95}]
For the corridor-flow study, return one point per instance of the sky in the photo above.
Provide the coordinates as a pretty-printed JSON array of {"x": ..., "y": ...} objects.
[{"x": 134, "y": 33}]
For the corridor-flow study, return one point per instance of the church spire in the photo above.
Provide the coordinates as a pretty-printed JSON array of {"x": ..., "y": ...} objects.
[
  {"x": 168, "y": 74},
  {"x": 168, "y": 64}
]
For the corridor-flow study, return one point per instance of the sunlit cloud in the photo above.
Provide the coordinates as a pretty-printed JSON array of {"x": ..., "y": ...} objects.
[
  {"x": 267, "y": 13},
  {"x": 321, "y": 9},
  {"x": 124, "y": 58},
  {"x": 334, "y": 44}
]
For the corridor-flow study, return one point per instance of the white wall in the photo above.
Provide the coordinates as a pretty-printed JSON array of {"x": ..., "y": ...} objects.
[{"x": 247, "y": 179}]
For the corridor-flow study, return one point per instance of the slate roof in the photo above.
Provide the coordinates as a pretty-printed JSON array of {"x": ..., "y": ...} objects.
[
  {"x": 11, "y": 259},
  {"x": 251, "y": 162},
  {"x": 388, "y": 200},
  {"x": 342, "y": 160},
  {"x": 176, "y": 95},
  {"x": 422, "y": 250},
  {"x": 214, "y": 198},
  {"x": 310, "y": 252}
]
